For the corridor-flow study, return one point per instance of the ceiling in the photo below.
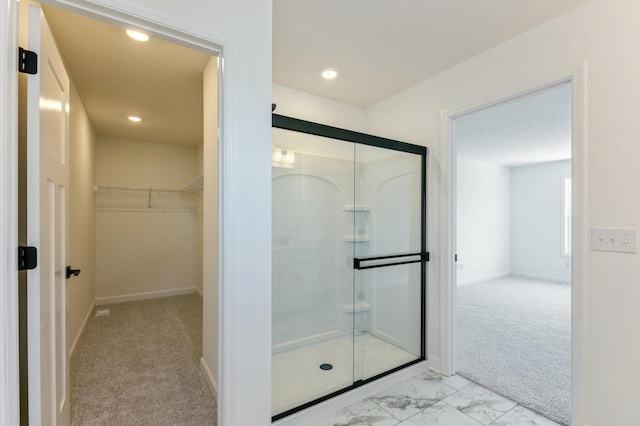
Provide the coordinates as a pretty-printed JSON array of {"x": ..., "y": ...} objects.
[
  {"x": 532, "y": 129},
  {"x": 116, "y": 77},
  {"x": 379, "y": 47}
]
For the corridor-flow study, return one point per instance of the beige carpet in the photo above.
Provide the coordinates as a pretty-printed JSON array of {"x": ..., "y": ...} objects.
[
  {"x": 514, "y": 338},
  {"x": 141, "y": 366}
]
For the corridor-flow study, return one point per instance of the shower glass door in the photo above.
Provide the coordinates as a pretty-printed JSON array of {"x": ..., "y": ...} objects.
[
  {"x": 348, "y": 260},
  {"x": 389, "y": 255},
  {"x": 312, "y": 181}
]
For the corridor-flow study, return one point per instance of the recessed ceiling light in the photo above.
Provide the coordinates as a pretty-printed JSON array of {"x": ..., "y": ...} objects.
[
  {"x": 329, "y": 74},
  {"x": 137, "y": 35},
  {"x": 134, "y": 119}
]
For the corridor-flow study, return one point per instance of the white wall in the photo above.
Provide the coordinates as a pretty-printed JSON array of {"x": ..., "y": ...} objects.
[
  {"x": 144, "y": 251},
  {"x": 483, "y": 221},
  {"x": 605, "y": 34},
  {"x": 509, "y": 221},
  {"x": 82, "y": 220},
  {"x": 537, "y": 221},
  {"x": 305, "y": 106}
]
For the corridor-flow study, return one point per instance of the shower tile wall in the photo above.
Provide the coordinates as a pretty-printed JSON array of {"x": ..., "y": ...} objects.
[
  {"x": 309, "y": 243},
  {"x": 310, "y": 257}
]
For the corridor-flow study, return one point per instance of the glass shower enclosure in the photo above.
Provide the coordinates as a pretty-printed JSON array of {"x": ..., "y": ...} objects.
[{"x": 349, "y": 260}]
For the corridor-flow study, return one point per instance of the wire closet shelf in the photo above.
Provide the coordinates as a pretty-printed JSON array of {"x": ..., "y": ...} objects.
[{"x": 125, "y": 199}]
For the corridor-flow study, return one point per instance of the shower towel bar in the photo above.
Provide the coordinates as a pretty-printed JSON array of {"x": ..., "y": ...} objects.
[{"x": 357, "y": 262}]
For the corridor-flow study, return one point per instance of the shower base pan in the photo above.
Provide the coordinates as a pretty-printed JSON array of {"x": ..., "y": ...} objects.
[{"x": 298, "y": 378}]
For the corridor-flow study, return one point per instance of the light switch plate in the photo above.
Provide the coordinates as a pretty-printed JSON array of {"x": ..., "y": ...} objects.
[{"x": 614, "y": 239}]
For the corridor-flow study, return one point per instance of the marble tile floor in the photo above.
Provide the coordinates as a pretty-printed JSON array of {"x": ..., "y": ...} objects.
[{"x": 434, "y": 400}]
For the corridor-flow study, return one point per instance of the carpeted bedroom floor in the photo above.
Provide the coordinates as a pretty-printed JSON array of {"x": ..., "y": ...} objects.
[
  {"x": 514, "y": 338},
  {"x": 141, "y": 366}
]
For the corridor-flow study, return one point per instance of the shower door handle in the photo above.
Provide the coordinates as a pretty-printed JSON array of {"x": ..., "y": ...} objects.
[{"x": 395, "y": 260}]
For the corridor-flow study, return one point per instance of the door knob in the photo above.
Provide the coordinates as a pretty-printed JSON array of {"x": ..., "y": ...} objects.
[{"x": 72, "y": 272}]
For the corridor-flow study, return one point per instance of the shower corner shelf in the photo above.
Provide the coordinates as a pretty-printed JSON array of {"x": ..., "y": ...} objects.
[
  {"x": 356, "y": 307},
  {"x": 356, "y": 239},
  {"x": 357, "y": 208}
]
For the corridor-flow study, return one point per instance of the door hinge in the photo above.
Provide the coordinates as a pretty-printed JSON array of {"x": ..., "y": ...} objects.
[
  {"x": 27, "y": 258},
  {"x": 27, "y": 61}
]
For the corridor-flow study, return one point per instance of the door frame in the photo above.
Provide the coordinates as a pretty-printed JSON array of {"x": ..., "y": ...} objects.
[
  {"x": 579, "y": 288},
  {"x": 9, "y": 380},
  {"x": 169, "y": 29}
]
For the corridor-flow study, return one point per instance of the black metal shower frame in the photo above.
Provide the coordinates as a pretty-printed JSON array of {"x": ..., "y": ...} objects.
[{"x": 308, "y": 127}]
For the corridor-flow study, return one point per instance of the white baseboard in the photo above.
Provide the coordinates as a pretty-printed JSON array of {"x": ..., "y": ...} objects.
[
  {"x": 541, "y": 277},
  {"x": 434, "y": 364},
  {"x": 82, "y": 327},
  {"x": 484, "y": 278},
  {"x": 199, "y": 292},
  {"x": 514, "y": 274},
  {"x": 210, "y": 380},
  {"x": 143, "y": 296}
]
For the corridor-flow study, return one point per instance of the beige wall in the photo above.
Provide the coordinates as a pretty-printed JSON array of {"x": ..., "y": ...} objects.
[
  {"x": 143, "y": 164},
  {"x": 199, "y": 217},
  {"x": 211, "y": 290},
  {"x": 81, "y": 248},
  {"x": 151, "y": 253}
]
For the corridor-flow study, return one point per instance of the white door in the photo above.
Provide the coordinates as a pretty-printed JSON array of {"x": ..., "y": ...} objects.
[{"x": 47, "y": 141}]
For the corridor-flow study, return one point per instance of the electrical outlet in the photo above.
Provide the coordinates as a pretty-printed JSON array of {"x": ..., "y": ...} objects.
[{"x": 610, "y": 239}]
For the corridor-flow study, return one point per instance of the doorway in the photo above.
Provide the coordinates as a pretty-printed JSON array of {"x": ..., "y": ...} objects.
[
  {"x": 514, "y": 218},
  {"x": 180, "y": 198}
]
